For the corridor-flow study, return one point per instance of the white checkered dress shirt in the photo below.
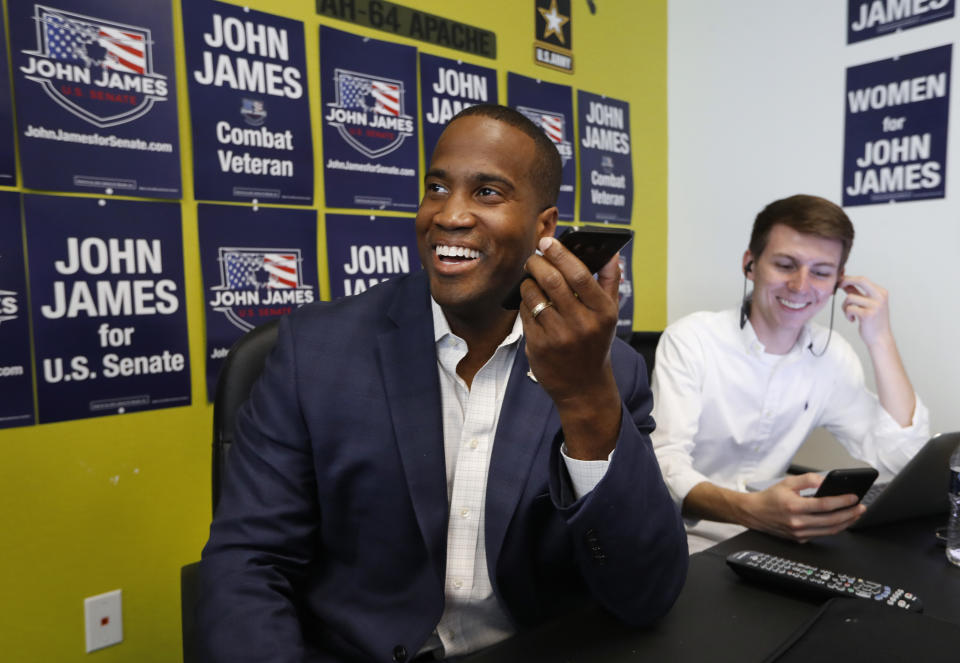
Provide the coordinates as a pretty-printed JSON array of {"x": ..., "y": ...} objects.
[{"x": 472, "y": 618}]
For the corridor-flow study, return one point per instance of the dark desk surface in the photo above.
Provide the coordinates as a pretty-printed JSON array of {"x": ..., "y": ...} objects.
[{"x": 719, "y": 617}]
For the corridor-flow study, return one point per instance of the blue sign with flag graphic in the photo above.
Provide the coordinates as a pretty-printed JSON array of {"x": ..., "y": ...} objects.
[
  {"x": 258, "y": 264},
  {"x": 108, "y": 307},
  {"x": 606, "y": 167},
  {"x": 16, "y": 376},
  {"x": 246, "y": 72},
  {"x": 96, "y": 96},
  {"x": 8, "y": 165},
  {"x": 550, "y": 107},
  {"x": 363, "y": 251},
  {"x": 446, "y": 88},
  {"x": 368, "y": 90},
  {"x": 895, "y": 133}
]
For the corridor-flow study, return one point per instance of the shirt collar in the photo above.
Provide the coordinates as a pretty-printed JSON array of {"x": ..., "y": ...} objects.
[
  {"x": 753, "y": 345},
  {"x": 441, "y": 328}
]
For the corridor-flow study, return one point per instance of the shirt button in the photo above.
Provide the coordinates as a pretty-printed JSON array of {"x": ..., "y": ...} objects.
[
  {"x": 457, "y": 583},
  {"x": 474, "y": 443},
  {"x": 464, "y": 513}
]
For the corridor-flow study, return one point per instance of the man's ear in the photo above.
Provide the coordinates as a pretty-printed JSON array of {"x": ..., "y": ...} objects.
[
  {"x": 748, "y": 264},
  {"x": 547, "y": 222},
  {"x": 840, "y": 275}
]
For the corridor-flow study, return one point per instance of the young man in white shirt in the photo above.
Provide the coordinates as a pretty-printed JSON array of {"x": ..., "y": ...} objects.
[{"x": 737, "y": 392}]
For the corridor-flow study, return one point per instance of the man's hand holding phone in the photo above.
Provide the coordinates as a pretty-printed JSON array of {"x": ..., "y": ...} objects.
[
  {"x": 783, "y": 511},
  {"x": 569, "y": 320}
]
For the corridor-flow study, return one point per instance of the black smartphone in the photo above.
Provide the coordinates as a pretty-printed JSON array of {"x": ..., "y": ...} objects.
[
  {"x": 593, "y": 245},
  {"x": 856, "y": 480}
]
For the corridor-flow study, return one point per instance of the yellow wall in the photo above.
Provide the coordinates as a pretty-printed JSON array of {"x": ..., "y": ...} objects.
[{"x": 124, "y": 501}]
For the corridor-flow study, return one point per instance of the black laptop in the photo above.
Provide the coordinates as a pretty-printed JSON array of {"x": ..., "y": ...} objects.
[{"x": 919, "y": 489}]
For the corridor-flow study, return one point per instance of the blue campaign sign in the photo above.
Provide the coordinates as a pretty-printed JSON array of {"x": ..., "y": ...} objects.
[
  {"x": 867, "y": 19},
  {"x": 446, "y": 88},
  {"x": 246, "y": 72},
  {"x": 8, "y": 166},
  {"x": 96, "y": 96},
  {"x": 108, "y": 307},
  {"x": 606, "y": 167},
  {"x": 895, "y": 135},
  {"x": 16, "y": 377},
  {"x": 550, "y": 107},
  {"x": 368, "y": 90},
  {"x": 258, "y": 264},
  {"x": 364, "y": 250}
]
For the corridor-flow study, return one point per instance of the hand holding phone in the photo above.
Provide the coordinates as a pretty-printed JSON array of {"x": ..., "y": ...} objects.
[
  {"x": 856, "y": 481},
  {"x": 593, "y": 245}
]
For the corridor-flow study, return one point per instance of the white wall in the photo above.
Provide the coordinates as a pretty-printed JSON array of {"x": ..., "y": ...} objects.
[{"x": 756, "y": 112}]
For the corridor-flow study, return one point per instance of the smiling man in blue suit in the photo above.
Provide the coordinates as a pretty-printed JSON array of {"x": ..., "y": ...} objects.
[{"x": 421, "y": 473}]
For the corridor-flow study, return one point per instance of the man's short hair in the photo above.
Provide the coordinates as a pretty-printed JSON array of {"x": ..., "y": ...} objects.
[
  {"x": 810, "y": 215},
  {"x": 547, "y": 168}
]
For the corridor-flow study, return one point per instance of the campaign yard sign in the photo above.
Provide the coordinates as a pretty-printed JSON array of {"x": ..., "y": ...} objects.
[
  {"x": 368, "y": 93},
  {"x": 246, "y": 72},
  {"x": 96, "y": 96},
  {"x": 446, "y": 88},
  {"x": 108, "y": 307},
  {"x": 363, "y": 251},
  {"x": 258, "y": 264},
  {"x": 16, "y": 376},
  {"x": 606, "y": 167},
  {"x": 8, "y": 165},
  {"x": 550, "y": 107},
  {"x": 895, "y": 134},
  {"x": 874, "y": 18}
]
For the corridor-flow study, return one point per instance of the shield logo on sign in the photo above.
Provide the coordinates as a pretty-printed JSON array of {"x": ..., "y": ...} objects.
[
  {"x": 554, "y": 125},
  {"x": 99, "y": 70},
  {"x": 368, "y": 112}
]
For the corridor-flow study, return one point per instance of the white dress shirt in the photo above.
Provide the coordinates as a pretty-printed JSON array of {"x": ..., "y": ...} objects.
[
  {"x": 729, "y": 413},
  {"x": 472, "y": 617}
]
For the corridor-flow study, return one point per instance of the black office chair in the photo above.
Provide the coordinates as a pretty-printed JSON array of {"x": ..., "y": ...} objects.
[
  {"x": 240, "y": 370},
  {"x": 242, "y": 367},
  {"x": 645, "y": 342}
]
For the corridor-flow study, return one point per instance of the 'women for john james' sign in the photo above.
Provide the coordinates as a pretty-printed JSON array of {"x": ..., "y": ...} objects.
[{"x": 895, "y": 145}]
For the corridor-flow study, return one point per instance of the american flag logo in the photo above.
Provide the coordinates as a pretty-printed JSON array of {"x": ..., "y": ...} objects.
[
  {"x": 356, "y": 91},
  {"x": 72, "y": 38},
  {"x": 260, "y": 268},
  {"x": 101, "y": 47},
  {"x": 377, "y": 102},
  {"x": 553, "y": 125}
]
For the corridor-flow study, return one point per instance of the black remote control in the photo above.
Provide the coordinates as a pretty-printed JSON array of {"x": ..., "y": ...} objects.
[{"x": 798, "y": 576}]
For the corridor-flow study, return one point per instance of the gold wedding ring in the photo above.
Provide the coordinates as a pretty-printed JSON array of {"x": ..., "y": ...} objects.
[{"x": 540, "y": 308}]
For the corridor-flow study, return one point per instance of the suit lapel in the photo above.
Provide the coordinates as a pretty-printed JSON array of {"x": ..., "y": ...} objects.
[
  {"x": 523, "y": 417},
  {"x": 409, "y": 365}
]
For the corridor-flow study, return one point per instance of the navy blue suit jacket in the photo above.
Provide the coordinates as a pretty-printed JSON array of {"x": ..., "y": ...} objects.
[{"x": 329, "y": 542}]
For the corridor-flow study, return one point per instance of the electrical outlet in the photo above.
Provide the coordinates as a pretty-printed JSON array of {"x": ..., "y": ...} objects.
[{"x": 104, "y": 620}]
